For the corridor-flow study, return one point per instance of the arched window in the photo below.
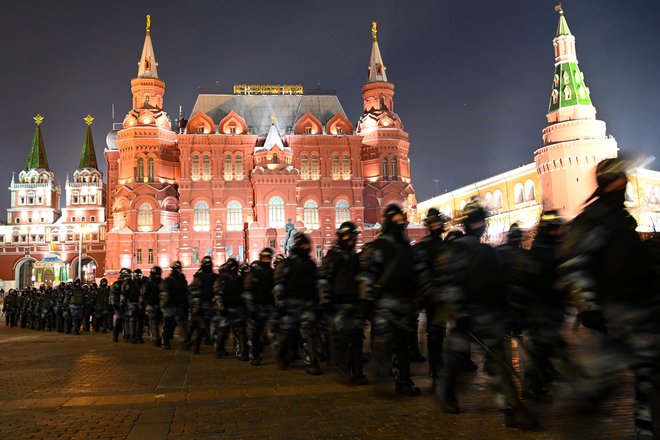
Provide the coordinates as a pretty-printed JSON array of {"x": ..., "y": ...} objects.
[
  {"x": 335, "y": 167},
  {"x": 488, "y": 200},
  {"x": 238, "y": 161},
  {"x": 395, "y": 168},
  {"x": 518, "y": 193},
  {"x": 195, "y": 168},
  {"x": 234, "y": 216},
  {"x": 346, "y": 168},
  {"x": 140, "y": 169},
  {"x": 383, "y": 168},
  {"x": 304, "y": 167},
  {"x": 145, "y": 217},
  {"x": 342, "y": 213},
  {"x": 228, "y": 167},
  {"x": 497, "y": 199},
  {"x": 150, "y": 169},
  {"x": 202, "y": 217},
  {"x": 206, "y": 167},
  {"x": 530, "y": 192},
  {"x": 315, "y": 168},
  {"x": 311, "y": 212},
  {"x": 276, "y": 212}
]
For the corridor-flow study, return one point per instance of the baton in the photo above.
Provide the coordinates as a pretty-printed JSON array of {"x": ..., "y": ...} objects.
[
  {"x": 397, "y": 323},
  {"x": 495, "y": 357}
]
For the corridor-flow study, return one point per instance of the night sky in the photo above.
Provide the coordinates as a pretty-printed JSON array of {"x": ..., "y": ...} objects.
[{"x": 472, "y": 77}]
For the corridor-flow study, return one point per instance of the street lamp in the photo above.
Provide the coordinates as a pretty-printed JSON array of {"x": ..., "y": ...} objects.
[
  {"x": 436, "y": 186},
  {"x": 80, "y": 243}
]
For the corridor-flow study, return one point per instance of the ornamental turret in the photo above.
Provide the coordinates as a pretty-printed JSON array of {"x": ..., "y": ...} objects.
[{"x": 574, "y": 140}]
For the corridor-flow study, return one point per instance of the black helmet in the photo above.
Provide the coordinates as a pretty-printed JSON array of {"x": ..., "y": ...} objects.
[
  {"x": 176, "y": 266},
  {"x": 347, "y": 228},
  {"x": 299, "y": 240},
  {"x": 474, "y": 218},
  {"x": 104, "y": 282},
  {"x": 137, "y": 271},
  {"x": 125, "y": 272},
  {"x": 515, "y": 233},
  {"x": 231, "y": 263},
  {"x": 432, "y": 216},
  {"x": 390, "y": 212},
  {"x": 76, "y": 282},
  {"x": 266, "y": 253},
  {"x": 551, "y": 218},
  {"x": 156, "y": 270},
  {"x": 207, "y": 261},
  {"x": 609, "y": 170}
]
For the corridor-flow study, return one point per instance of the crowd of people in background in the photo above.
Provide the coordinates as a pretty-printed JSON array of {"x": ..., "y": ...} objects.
[{"x": 595, "y": 268}]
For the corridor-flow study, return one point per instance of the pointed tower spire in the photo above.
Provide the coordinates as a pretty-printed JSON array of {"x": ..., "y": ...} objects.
[
  {"x": 148, "y": 67},
  {"x": 568, "y": 87},
  {"x": 273, "y": 137},
  {"x": 562, "y": 28},
  {"x": 37, "y": 158},
  {"x": 88, "y": 154},
  {"x": 376, "y": 66}
]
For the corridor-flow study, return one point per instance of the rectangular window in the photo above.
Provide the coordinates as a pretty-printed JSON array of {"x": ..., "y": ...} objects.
[
  {"x": 319, "y": 251},
  {"x": 138, "y": 256},
  {"x": 195, "y": 255},
  {"x": 209, "y": 252},
  {"x": 229, "y": 252},
  {"x": 241, "y": 257},
  {"x": 150, "y": 256},
  {"x": 273, "y": 244}
]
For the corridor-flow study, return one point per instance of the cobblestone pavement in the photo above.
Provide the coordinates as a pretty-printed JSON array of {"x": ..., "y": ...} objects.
[{"x": 86, "y": 387}]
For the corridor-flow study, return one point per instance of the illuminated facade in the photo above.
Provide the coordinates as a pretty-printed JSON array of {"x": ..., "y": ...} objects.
[
  {"x": 227, "y": 181},
  {"x": 41, "y": 242},
  {"x": 562, "y": 175}
]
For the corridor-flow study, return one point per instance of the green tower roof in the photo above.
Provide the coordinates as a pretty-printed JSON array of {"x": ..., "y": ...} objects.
[
  {"x": 562, "y": 27},
  {"x": 37, "y": 158},
  {"x": 88, "y": 154}
]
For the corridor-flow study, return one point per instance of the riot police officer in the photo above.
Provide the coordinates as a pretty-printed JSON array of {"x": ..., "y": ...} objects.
[
  {"x": 228, "y": 300},
  {"x": 174, "y": 304},
  {"x": 102, "y": 309},
  {"x": 116, "y": 303},
  {"x": 77, "y": 303},
  {"x": 259, "y": 302},
  {"x": 296, "y": 300},
  {"x": 339, "y": 287},
  {"x": 130, "y": 299},
  {"x": 393, "y": 279},
  {"x": 471, "y": 285},
  {"x": 150, "y": 293},
  {"x": 201, "y": 292}
]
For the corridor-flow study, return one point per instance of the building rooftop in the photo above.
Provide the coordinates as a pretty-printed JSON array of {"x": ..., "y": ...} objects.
[{"x": 258, "y": 110}]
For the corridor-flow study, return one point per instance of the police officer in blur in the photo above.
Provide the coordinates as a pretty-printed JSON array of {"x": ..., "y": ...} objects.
[
  {"x": 436, "y": 312},
  {"x": 77, "y": 303},
  {"x": 140, "y": 280},
  {"x": 259, "y": 303},
  {"x": 606, "y": 268},
  {"x": 228, "y": 300},
  {"x": 201, "y": 292},
  {"x": 116, "y": 303},
  {"x": 471, "y": 285},
  {"x": 150, "y": 293},
  {"x": 393, "y": 279},
  {"x": 102, "y": 309},
  {"x": 340, "y": 297},
  {"x": 131, "y": 301},
  {"x": 296, "y": 300},
  {"x": 174, "y": 304}
]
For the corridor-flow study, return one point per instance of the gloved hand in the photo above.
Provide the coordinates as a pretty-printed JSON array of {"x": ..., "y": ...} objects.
[
  {"x": 593, "y": 319},
  {"x": 281, "y": 311},
  {"x": 464, "y": 324}
]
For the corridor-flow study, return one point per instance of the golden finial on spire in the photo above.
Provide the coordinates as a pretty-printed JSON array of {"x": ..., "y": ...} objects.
[
  {"x": 559, "y": 9},
  {"x": 88, "y": 119},
  {"x": 148, "y": 24},
  {"x": 374, "y": 30},
  {"x": 38, "y": 119}
]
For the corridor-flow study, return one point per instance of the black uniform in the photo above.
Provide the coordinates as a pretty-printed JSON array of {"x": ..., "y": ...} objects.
[{"x": 260, "y": 305}]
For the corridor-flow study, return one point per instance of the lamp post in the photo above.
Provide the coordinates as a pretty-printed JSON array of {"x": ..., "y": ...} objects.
[
  {"x": 80, "y": 243},
  {"x": 436, "y": 186}
]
